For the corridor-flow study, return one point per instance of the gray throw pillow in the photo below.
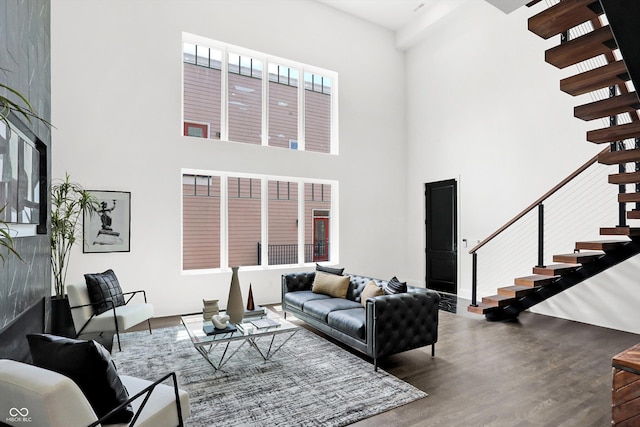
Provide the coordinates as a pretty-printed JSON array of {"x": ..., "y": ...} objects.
[
  {"x": 329, "y": 270},
  {"x": 394, "y": 286},
  {"x": 104, "y": 287}
]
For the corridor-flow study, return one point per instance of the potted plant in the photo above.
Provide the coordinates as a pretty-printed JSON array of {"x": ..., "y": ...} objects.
[{"x": 69, "y": 201}]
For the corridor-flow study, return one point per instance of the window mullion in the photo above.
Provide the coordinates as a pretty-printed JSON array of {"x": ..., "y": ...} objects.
[
  {"x": 301, "y": 229},
  {"x": 224, "y": 222},
  {"x": 224, "y": 86},
  {"x": 301, "y": 109},
  {"x": 264, "y": 231},
  {"x": 265, "y": 101}
]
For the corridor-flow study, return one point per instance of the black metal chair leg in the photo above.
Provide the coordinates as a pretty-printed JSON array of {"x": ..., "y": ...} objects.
[
  {"x": 433, "y": 350},
  {"x": 149, "y": 323}
]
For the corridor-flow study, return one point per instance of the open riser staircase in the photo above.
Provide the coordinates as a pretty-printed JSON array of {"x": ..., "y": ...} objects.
[{"x": 615, "y": 37}]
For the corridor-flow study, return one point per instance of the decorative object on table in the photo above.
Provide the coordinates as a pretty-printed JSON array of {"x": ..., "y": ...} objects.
[
  {"x": 212, "y": 330},
  {"x": 209, "y": 308},
  {"x": 220, "y": 321},
  {"x": 252, "y": 309},
  {"x": 250, "y": 305},
  {"x": 235, "y": 308},
  {"x": 108, "y": 227},
  {"x": 264, "y": 323}
]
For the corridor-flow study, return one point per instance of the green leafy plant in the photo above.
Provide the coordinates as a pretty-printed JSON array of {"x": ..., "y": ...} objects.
[
  {"x": 7, "y": 106},
  {"x": 6, "y": 241},
  {"x": 69, "y": 201}
]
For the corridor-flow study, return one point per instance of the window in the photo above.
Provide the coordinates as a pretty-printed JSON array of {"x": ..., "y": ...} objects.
[
  {"x": 253, "y": 220},
  {"x": 255, "y": 98},
  {"x": 200, "y": 222},
  {"x": 202, "y": 90},
  {"x": 283, "y": 223}
]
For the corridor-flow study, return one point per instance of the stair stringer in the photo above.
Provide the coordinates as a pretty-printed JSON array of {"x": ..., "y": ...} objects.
[{"x": 567, "y": 280}]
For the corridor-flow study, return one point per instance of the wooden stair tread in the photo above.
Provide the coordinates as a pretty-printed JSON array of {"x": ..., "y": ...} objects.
[
  {"x": 577, "y": 258},
  {"x": 561, "y": 17},
  {"x": 555, "y": 269},
  {"x": 620, "y": 231},
  {"x": 628, "y": 197},
  {"x": 614, "y": 133},
  {"x": 535, "y": 280},
  {"x": 634, "y": 214},
  {"x": 481, "y": 308},
  {"x": 498, "y": 300},
  {"x": 619, "y": 157},
  {"x": 611, "y": 74},
  {"x": 625, "y": 103},
  {"x": 516, "y": 291},
  {"x": 625, "y": 178},
  {"x": 600, "y": 245},
  {"x": 581, "y": 48}
]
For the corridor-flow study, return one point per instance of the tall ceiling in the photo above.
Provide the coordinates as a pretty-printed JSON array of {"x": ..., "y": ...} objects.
[{"x": 404, "y": 16}]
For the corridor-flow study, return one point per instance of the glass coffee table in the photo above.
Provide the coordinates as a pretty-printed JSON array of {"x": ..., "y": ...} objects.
[{"x": 253, "y": 330}]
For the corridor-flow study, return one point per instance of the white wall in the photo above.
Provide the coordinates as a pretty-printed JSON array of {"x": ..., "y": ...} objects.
[
  {"x": 484, "y": 108},
  {"x": 116, "y": 100}
]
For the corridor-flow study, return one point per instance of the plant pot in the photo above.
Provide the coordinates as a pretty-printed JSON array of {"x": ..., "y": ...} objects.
[{"x": 61, "y": 321}]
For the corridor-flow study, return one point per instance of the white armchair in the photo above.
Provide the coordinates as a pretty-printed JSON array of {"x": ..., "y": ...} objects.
[
  {"x": 116, "y": 319},
  {"x": 38, "y": 397}
]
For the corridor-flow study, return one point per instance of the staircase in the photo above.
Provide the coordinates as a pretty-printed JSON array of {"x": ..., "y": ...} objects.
[{"x": 621, "y": 33}]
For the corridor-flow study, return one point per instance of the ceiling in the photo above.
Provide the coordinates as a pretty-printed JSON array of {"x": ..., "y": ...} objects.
[{"x": 397, "y": 15}]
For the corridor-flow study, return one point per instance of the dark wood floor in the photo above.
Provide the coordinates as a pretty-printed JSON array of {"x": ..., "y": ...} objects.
[{"x": 538, "y": 371}]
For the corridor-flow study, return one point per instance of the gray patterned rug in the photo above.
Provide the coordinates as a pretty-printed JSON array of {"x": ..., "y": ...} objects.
[{"x": 309, "y": 382}]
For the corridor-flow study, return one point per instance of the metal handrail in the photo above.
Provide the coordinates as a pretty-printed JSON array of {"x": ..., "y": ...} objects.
[{"x": 544, "y": 197}]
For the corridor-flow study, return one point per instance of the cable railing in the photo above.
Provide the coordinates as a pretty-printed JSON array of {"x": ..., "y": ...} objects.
[{"x": 572, "y": 210}]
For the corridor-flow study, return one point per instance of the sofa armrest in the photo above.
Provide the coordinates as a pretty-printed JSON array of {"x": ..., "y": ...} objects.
[
  {"x": 294, "y": 282},
  {"x": 401, "y": 322}
]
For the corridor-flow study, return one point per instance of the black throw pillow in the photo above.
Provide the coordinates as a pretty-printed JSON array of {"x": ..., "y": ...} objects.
[
  {"x": 104, "y": 287},
  {"x": 394, "y": 286},
  {"x": 89, "y": 365},
  {"x": 329, "y": 270}
]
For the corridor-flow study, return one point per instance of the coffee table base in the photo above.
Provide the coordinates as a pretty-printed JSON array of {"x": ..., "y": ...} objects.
[{"x": 207, "y": 350}]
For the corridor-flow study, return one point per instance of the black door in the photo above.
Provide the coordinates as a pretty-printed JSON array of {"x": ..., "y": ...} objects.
[{"x": 442, "y": 235}]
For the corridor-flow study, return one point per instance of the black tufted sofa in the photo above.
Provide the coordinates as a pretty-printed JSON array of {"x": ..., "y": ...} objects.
[{"x": 390, "y": 324}]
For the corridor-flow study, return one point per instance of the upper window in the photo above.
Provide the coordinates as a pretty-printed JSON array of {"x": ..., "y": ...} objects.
[{"x": 235, "y": 94}]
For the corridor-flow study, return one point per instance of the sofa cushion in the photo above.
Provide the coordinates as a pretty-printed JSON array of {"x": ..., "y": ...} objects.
[
  {"x": 330, "y": 284},
  {"x": 394, "y": 286},
  {"x": 89, "y": 365},
  {"x": 298, "y": 299},
  {"x": 104, "y": 287},
  {"x": 352, "y": 321},
  {"x": 320, "y": 308},
  {"x": 370, "y": 291},
  {"x": 329, "y": 270}
]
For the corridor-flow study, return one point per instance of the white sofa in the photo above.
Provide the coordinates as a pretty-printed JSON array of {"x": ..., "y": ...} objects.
[{"x": 37, "y": 397}]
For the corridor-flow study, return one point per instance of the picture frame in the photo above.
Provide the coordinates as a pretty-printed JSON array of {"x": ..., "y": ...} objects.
[{"x": 108, "y": 229}]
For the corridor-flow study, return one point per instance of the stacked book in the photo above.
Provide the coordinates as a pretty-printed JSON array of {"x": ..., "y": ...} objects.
[
  {"x": 209, "y": 308},
  {"x": 256, "y": 313}
]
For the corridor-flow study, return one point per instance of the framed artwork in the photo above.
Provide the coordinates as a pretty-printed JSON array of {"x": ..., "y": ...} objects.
[{"x": 108, "y": 229}]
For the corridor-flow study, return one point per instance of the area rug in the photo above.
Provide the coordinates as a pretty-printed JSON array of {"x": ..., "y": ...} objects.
[{"x": 309, "y": 382}]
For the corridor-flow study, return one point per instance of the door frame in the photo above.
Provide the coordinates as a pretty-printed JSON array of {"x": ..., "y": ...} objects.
[{"x": 456, "y": 223}]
